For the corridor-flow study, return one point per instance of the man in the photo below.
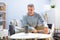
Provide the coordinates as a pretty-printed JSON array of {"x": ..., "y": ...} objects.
[{"x": 34, "y": 21}]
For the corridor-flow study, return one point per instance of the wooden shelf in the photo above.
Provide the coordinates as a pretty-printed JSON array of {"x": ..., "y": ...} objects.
[
  {"x": 57, "y": 28},
  {"x": 2, "y": 7},
  {"x": 2, "y": 11},
  {"x": 3, "y": 14},
  {"x": 4, "y": 24}
]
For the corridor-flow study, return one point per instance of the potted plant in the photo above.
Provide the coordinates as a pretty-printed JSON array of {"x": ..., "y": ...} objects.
[{"x": 52, "y": 6}]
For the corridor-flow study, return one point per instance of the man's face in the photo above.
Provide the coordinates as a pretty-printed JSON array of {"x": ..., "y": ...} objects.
[{"x": 30, "y": 11}]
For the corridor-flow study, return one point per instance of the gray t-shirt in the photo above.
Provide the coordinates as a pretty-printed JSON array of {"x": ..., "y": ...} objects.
[{"x": 33, "y": 21}]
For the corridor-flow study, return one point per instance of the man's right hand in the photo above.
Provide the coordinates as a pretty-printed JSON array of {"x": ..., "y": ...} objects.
[{"x": 35, "y": 31}]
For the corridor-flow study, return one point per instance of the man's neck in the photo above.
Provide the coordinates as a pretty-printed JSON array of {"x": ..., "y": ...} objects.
[{"x": 31, "y": 14}]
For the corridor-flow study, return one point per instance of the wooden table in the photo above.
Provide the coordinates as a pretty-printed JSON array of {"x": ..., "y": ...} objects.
[{"x": 30, "y": 36}]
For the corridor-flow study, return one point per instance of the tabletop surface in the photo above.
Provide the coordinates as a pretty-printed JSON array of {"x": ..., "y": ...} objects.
[{"x": 29, "y": 35}]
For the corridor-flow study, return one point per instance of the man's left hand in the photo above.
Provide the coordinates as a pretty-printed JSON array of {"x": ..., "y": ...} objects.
[{"x": 45, "y": 30}]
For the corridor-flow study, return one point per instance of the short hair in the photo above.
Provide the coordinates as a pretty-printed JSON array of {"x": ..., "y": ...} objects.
[{"x": 30, "y": 5}]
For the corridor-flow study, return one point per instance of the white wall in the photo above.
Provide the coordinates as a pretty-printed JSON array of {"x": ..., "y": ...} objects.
[
  {"x": 17, "y": 8},
  {"x": 57, "y": 13}
]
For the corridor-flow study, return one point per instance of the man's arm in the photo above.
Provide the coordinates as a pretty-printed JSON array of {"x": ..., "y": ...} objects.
[
  {"x": 44, "y": 23},
  {"x": 45, "y": 27},
  {"x": 33, "y": 29},
  {"x": 24, "y": 22}
]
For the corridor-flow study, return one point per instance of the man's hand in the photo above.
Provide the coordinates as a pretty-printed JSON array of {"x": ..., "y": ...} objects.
[
  {"x": 35, "y": 31},
  {"x": 45, "y": 30}
]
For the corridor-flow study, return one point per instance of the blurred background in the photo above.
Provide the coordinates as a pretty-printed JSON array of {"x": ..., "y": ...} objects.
[{"x": 15, "y": 9}]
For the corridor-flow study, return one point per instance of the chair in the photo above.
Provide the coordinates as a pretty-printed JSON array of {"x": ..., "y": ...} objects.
[{"x": 51, "y": 30}]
